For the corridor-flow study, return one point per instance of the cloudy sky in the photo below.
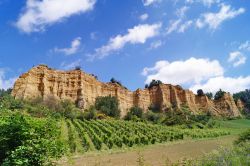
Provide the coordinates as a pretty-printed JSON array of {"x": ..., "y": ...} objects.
[{"x": 194, "y": 43}]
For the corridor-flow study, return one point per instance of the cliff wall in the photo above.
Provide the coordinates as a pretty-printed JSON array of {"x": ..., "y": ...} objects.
[{"x": 83, "y": 89}]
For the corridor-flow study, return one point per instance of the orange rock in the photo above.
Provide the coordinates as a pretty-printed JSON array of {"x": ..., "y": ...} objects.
[{"x": 83, "y": 89}]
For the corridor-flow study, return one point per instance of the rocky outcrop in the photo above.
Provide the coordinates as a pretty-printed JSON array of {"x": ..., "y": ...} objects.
[
  {"x": 83, "y": 89},
  {"x": 240, "y": 104}
]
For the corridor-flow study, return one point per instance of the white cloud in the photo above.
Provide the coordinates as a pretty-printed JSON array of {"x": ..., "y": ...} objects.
[
  {"x": 196, "y": 74},
  {"x": 74, "y": 48},
  {"x": 207, "y": 3},
  {"x": 144, "y": 17},
  {"x": 191, "y": 71},
  {"x": 182, "y": 11},
  {"x": 214, "y": 20},
  {"x": 156, "y": 44},
  {"x": 72, "y": 65},
  {"x": 229, "y": 84},
  {"x": 237, "y": 58},
  {"x": 149, "y": 2},
  {"x": 173, "y": 26},
  {"x": 6, "y": 83},
  {"x": 178, "y": 26},
  {"x": 185, "y": 26},
  {"x": 137, "y": 35},
  {"x": 245, "y": 46},
  {"x": 38, "y": 14}
]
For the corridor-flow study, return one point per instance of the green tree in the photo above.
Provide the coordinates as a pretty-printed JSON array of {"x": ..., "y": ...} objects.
[
  {"x": 108, "y": 105},
  {"x": 134, "y": 112},
  {"x": 209, "y": 95},
  {"x": 29, "y": 141},
  {"x": 4, "y": 92},
  {"x": 200, "y": 92},
  {"x": 154, "y": 83},
  {"x": 219, "y": 94}
]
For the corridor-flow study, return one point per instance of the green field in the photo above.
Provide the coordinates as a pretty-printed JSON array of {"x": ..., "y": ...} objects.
[
  {"x": 82, "y": 136},
  {"x": 235, "y": 126},
  {"x": 189, "y": 143}
]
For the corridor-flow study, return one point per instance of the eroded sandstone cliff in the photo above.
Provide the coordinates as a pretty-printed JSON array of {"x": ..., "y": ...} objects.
[{"x": 83, "y": 89}]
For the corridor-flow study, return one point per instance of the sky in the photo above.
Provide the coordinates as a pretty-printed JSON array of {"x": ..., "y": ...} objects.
[{"x": 198, "y": 44}]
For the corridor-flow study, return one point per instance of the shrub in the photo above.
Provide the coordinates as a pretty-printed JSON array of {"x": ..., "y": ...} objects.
[
  {"x": 225, "y": 156},
  {"x": 155, "y": 108},
  {"x": 9, "y": 102},
  {"x": 200, "y": 92},
  {"x": 244, "y": 96},
  {"x": 209, "y": 95},
  {"x": 154, "y": 83},
  {"x": 29, "y": 141},
  {"x": 153, "y": 117},
  {"x": 114, "y": 81},
  {"x": 219, "y": 95},
  {"x": 4, "y": 92},
  {"x": 244, "y": 137},
  {"x": 78, "y": 68},
  {"x": 91, "y": 113},
  {"x": 135, "y": 113},
  {"x": 108, "y": 105}
]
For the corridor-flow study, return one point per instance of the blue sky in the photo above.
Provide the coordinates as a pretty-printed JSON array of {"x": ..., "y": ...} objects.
[{"x": 194, "y": 43}]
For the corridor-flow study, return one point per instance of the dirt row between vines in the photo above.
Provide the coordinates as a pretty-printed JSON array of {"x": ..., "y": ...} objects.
[{"x": 155, "y": 155}]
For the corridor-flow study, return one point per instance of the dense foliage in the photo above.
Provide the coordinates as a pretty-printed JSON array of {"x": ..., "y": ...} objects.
[
  {"x": 134, "y": 113},
  {"x": 209, "y": 95},
  {"x": 200, "y": 92},
  {"x": 171, "y": 117},
  {"x": 114, "y": 81},
  {"x": 4, "y": 92},
  {"x": 218, "y": 95},
  {"x": 153, "y": 83},
  {"x": 244, "y": 138},
  {"x": 28, "y": 141},
  {"x": 108, "y": 105},
  {"x": 244, "y": 96}
]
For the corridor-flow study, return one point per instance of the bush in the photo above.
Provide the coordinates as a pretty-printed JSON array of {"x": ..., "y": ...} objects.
[
  {"x": 153, "y": 117},
  {"x": 135, "y": 113},
  {"x": 91, "y": 113},
  {"x": 114, "y": 81},
  {"x": 108, "y": 105},
  {"x": 4, "y": 92},
  {"x": 155, "y": 108},
  {"x": 29, "y": 141},
  {"x": 200, "y": 92},
  {"x": 8, "y": 102},
  {"x": 154, "y": 83},
  {"x": 244, "y": 96},
  {"x": 219, "y": 95},
  {"x": 244, "y": 137},
  {"x": 209, "y": 95},
  {"x": 225, "y": 156}
]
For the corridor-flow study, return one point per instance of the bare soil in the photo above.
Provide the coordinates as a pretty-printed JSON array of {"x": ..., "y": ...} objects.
[{"x": 155, "y": 155}]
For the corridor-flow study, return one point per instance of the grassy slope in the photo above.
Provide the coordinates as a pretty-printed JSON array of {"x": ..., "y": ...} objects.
[{"x": 235, "y": 126}]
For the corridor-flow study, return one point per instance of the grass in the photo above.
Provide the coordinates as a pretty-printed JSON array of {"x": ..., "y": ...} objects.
[{"x": 236, "y": 126}]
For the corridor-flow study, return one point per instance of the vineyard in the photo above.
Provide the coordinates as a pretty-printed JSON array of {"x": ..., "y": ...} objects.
[{"x": 82, "y": 136}]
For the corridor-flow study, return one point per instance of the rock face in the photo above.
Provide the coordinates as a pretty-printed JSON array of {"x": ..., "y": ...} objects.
[
  {"x": 240, "y": 104},
  {"x": 83, "y": 89}
]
